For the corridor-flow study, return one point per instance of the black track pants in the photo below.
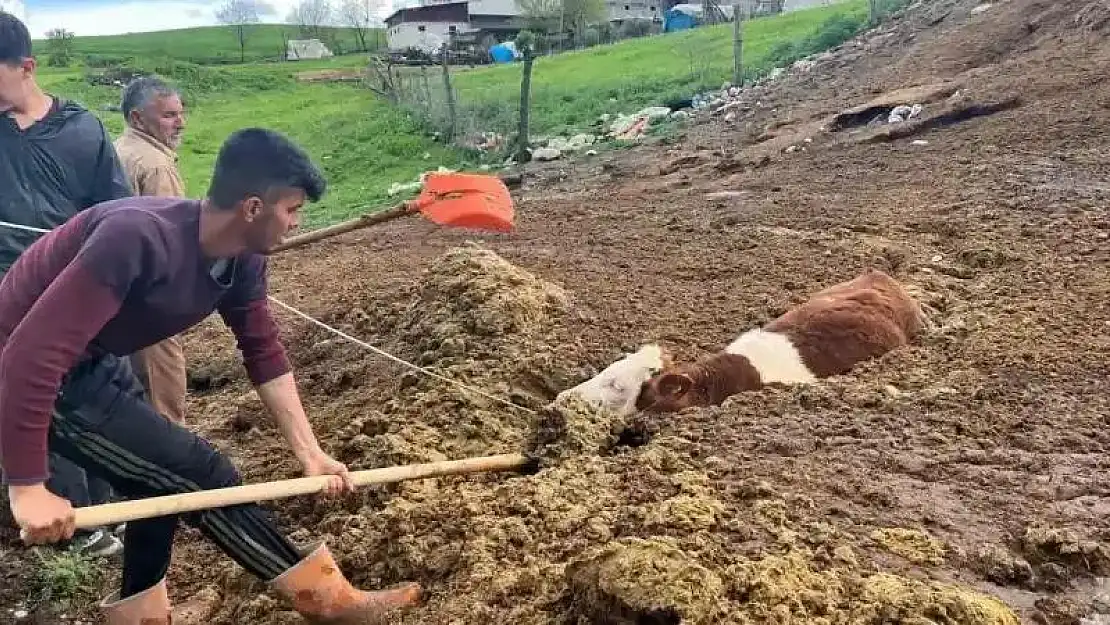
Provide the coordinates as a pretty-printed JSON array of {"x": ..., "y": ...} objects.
[{"x": 103, "y": 424}]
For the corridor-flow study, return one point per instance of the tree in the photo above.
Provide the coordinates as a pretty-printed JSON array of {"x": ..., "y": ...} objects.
[
  {"x": 312, "y": 16},
  {"x": 241, "y": 13},
  {"x": 359, "y": 15},
  {"x": 59, "y": 44}
]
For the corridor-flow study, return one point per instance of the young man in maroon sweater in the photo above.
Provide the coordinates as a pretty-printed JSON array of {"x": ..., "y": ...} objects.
[{"x": 124, "y": 275}]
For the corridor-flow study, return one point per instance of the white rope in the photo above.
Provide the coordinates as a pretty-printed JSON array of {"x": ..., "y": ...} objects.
[
  {"x": 350, "y": 338},
  {"x": 395, "y": 359},
  {"x": 21, "y": 227}
]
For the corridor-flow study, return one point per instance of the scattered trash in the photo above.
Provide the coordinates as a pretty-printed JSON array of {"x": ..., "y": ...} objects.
[
  {"x": 632, "y": 127},
  {"x": 920, "y": 142},
  {"x": 724, "y": 195},
  {"x": 484, "y": 142},
  {"x": 728, "y": 101},
  {"x": 409, "y": 187},
  {"x": 980, "y": 8},
  {"x": 573, "y": 144},
  {"x": 901, "y": 113},
  {"x": 546, "y": 154}
]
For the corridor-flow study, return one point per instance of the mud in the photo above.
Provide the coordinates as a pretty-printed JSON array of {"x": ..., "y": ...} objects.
[{"x": 923, "y": 487}]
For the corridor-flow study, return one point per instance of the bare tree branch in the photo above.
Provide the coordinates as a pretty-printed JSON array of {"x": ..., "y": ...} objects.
[{"x": 240, "y": 14}]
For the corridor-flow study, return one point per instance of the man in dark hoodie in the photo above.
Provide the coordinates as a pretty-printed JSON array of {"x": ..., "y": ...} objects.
[{"x": 56, "y": 159}]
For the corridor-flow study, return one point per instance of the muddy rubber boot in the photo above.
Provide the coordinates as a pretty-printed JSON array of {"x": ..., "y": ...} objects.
[
  {"x": 322, "y": 595},
  {"x": 149, "y": 607}
]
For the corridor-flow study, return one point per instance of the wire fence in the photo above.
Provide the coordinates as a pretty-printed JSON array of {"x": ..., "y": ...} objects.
[{"x": 481, "y": 111}]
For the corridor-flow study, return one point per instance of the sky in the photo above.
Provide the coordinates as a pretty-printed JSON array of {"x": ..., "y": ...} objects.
[{"x": 108, "y": 17}]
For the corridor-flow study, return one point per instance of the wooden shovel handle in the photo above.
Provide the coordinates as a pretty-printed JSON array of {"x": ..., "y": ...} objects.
[
  {"x": 401, "y": 210},
  {"x": 121, "y": 512}
]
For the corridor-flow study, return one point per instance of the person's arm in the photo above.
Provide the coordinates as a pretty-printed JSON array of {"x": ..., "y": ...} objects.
[
  {"x": 52, "y": 335},
  {"x": 246, "y": 312},
  {"x": 109, "y": 180},
  {"x": 42, "y": 348}
]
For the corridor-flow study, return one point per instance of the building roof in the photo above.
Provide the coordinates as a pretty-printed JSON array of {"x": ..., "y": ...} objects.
[
  {"x": 439, "y": 12},
  {"x": 431, "y": 11}
]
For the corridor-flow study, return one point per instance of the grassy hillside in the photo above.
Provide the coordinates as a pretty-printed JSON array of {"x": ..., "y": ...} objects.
[
  {"x": 211, "y": 44},
  {"x": 573, "y": 89},
  {"x": 365, "y": 145}
]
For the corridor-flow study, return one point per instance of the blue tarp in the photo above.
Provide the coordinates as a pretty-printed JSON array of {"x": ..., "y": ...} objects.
[
  {"x": 502, "y": 53},
  {"x": 675, "y": 20}
]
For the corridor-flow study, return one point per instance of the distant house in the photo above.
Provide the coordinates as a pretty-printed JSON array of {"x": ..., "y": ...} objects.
[
  {"x": 621, "y": 11},
  {"x": 434, "y": 23},
  {"x": 300, "y": 49}
]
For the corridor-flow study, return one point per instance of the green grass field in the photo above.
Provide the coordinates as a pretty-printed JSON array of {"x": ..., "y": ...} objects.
[
  {"x": 571, "y": 90},
  {"x": 212, "y": 44},
  {"x": 365, "y": 145}
]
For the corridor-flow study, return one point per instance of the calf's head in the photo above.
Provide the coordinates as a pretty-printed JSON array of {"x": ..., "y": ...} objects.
[
  {"x": 673, "y": 390},
  {"x": 618, "y": 385},
  {"x": 707, "y": 382}
]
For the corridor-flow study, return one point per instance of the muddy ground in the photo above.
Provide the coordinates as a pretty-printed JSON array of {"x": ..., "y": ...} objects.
[{"x": 967, "y": 468}]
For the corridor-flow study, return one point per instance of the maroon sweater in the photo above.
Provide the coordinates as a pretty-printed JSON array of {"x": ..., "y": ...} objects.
[{"x": 115, "y": 278}]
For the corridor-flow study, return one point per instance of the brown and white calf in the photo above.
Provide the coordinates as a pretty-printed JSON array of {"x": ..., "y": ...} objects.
[{"x": 827, "y": 335}]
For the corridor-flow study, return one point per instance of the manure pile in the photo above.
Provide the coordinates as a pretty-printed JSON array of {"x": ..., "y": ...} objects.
[{"x": 611, "y": 530}]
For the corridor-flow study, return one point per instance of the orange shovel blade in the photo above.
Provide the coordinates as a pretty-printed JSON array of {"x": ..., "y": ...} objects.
[{"x": 475, "y": 201}]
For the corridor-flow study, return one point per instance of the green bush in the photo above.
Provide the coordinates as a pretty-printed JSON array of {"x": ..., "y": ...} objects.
[{"x": 832, "y": 32}]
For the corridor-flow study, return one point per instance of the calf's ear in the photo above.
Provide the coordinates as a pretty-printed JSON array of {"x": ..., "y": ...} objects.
[{"x": 675, "y": 385}]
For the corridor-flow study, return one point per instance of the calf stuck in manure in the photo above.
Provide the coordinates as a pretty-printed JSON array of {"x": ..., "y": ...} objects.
[{"x": 827, "y": 335}]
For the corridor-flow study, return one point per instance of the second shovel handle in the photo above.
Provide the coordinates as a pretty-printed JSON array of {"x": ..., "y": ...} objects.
[{"x": 401, "y": 210}]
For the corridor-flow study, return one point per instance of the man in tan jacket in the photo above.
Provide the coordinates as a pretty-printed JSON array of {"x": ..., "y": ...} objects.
[{"x": 155, "y": 120}]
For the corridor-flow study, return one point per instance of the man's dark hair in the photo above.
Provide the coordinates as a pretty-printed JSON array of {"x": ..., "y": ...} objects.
[
  {"x": 256, "y": 161},
  {"x": 139, "y": 93},
  {"x": 15, "y": 40}
]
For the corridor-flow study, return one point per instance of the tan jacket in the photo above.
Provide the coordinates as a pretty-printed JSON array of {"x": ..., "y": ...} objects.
[
  {"x": 152, "y": 170},
  {"x": 150, "y": 165}
]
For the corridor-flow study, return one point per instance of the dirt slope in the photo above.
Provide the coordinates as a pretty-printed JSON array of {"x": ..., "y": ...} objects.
[{"x": 967, "y": 467}]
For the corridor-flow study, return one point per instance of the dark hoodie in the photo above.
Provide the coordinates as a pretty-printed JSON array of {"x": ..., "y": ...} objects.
[{"x": 61, "y": 165}]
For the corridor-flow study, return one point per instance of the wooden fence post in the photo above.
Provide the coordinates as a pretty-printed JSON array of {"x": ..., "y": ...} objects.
[
  {"x": 737, "y": 47},
  {"x": 452, "y": 121}
]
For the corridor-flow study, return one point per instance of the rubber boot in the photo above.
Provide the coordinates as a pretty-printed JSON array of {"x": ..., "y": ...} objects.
[
  {"x": 322, "y": 595},
  {"x": 149, "y": 607}
]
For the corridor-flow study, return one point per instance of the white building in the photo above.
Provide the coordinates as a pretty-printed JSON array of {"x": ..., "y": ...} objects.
[
  {"x": 299, "y": 49},
  {"x": 623, "y": 10},
  {"x": 433, "y": 23}
]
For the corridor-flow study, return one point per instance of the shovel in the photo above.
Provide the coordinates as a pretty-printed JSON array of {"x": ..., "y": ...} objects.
[
  {"x": 454, "y": 200},
  {"x": 121, "y": 512}
]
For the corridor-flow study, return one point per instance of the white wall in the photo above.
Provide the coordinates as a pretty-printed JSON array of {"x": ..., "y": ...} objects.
[
  {"x": 428, "y": 36},
  {"x": 633, "y": 9},
  {"x": 494, "y": 7}
]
